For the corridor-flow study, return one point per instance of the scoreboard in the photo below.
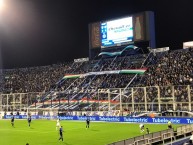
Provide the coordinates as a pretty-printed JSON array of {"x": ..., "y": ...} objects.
[
  {"x": 122, "y": 31},
  {"x": 116, "y": 31}
]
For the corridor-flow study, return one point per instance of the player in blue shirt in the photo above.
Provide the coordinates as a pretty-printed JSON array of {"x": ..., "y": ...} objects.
[
  {"x": 87, "y": 122},
  {"x": 61, "y": 133},
  {"x": 12, "y": 121},
  {"x": 29, "y": 120},
  {"x": 147, "y": 130}
]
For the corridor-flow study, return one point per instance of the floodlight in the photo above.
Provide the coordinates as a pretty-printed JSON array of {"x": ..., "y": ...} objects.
[{"x": 1, "y": 4}]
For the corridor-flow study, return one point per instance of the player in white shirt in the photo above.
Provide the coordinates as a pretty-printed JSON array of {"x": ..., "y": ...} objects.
[
  {"x": 141, "y": 126},
  {"x": 57, "y": 124}
]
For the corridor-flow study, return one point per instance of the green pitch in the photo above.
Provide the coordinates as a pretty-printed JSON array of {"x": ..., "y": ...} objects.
[{"x": 43, "y": 132}]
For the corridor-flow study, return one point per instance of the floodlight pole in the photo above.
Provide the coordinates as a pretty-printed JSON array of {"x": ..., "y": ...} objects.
[
  {"x": 109, "y": 100},
  {"x": 153, "y": 103},
  {"x": 121, "y": 107}
]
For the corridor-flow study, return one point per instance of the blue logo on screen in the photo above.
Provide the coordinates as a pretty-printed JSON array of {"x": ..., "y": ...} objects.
[{"x": 104, "y": 36}]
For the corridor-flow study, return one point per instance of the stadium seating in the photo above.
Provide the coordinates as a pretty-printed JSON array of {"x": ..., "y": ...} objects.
[{"x": 164, "y": 70}]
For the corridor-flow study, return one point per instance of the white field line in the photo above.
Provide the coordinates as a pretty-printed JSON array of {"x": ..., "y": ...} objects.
[{"x": 44, "y": 131}]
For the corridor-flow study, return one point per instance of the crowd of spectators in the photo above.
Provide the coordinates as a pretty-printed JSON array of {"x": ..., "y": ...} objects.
[
  {"x": 173, "y": 68},
  {"x": 44, "y": 78},
  {"x": 33, "y": 79}
]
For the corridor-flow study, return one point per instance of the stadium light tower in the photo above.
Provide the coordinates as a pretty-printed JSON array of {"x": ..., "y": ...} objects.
[
  {"x": 1, "y": 8},
  {"x": 1, "y": 4}
]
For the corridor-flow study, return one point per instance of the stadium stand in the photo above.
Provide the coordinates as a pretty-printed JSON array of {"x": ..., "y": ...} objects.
[{"x": 171, "y": 71}]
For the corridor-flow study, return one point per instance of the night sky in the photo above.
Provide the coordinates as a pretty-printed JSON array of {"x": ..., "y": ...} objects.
[{"x": 43, "y": 32}]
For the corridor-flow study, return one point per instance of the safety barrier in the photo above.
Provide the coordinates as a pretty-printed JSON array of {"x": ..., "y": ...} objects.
[{"x": 160, "y": 137}]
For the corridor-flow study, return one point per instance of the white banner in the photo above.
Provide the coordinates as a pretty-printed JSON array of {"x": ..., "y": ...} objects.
[
  {"x": 81, "y": 59},
  {"x": 100, "y": 73},
  {"x": 188, "y": 45},
  {"x": 160, "y": 49}
]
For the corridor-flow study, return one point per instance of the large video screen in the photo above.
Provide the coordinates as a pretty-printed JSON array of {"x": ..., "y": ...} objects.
[{"x": 116, "y": 32}]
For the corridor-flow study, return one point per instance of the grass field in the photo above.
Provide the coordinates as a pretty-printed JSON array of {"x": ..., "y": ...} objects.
[{"x": 43, "y": 132}]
